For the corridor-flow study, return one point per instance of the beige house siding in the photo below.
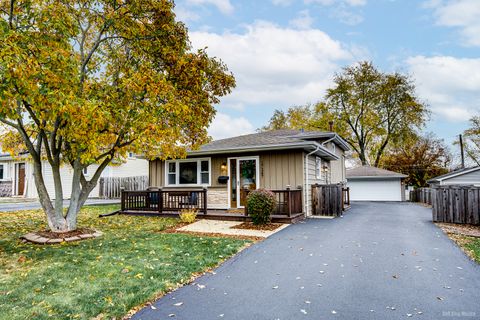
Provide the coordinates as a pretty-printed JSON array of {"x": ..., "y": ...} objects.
[
  {"x": 337, "y": 167},
  {"x": 281, "y": 169},
  {"x": 312, "y": 179}
]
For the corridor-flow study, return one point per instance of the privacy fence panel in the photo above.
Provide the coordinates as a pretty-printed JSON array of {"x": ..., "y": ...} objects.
[
  {"x": 328, "y": 200},
  {"x": 110, "y": 187},
  {"x": 456, "y": 204},
  {"x": 423, "y": 195}
]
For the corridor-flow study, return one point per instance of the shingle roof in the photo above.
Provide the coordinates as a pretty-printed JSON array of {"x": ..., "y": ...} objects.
[
  {"x": 274, "y": 140},
  {"x": 454, "y": 173},
  {"x": 372, "y": 172},
  {"x": 270, "y": 138}
]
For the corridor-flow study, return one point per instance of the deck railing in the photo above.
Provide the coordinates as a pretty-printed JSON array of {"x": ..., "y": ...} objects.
[
  {"x": 288, "y": 202},
  {"x": 164, "y": 201}
]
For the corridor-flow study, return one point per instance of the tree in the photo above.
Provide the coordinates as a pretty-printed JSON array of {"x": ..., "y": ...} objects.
[
  {"x": 422, "y": 160},
  {"x": 82, "y": 82},
  {"x": 472, "y": 140},
  {"x": 371, "y": 111},
  {"x": 296, "y": 117}
]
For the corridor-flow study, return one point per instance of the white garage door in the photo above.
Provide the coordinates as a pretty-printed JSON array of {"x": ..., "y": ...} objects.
[{"x": 375, "y": 190}]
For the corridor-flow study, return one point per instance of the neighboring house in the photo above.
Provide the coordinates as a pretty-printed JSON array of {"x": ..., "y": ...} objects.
[
  {"x": 368, "y": 183},
  {"x": 16, "y": 175},
  {"x": 274, "y": 160},
  {"x": 468, "y": 176}
]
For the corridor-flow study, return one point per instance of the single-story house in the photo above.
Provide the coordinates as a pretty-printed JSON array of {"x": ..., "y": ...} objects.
[
  {"x": 368, "y": 183},
  {"x": 275, "y": 160},
  {"x": 16, "y": 175},
  {"x": 467, "y": 176}
]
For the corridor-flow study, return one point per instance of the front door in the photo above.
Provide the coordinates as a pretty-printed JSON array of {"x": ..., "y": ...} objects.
[
  {"x": 244, "y": 177},
  {"x": 21, "y": 178}
]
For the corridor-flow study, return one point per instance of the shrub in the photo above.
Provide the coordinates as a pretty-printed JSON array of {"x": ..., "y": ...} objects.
[
  {"x": 260, "y": 205},
  {"x": 188, "y": 215}
]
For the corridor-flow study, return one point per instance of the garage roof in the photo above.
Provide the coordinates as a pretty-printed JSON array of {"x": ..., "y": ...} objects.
[{"x": 364, "y": 172}]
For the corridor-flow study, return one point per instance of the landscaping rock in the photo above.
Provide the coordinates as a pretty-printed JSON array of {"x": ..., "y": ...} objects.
[
  {"x": 76, "y": 238},
  {"x": 42, "y": 239},
  {"x": 97, "y": 234},
  {"x": 53, "y": 241}
]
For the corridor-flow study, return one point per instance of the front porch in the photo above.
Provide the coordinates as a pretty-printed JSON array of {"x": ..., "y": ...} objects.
[{"x": 170, "y": 203}]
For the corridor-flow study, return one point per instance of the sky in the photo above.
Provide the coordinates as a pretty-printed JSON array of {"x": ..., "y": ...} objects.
[{"x": 286, "y": 52}]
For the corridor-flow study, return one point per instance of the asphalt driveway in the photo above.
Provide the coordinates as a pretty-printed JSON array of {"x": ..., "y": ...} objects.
[{"x": 380, "y": 261}]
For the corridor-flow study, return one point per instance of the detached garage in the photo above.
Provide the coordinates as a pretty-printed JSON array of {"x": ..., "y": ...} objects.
[{"x": 368, "y": 183}]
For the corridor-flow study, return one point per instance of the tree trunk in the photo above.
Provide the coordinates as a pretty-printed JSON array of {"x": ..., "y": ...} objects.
[{"x": 55, "y": 219}]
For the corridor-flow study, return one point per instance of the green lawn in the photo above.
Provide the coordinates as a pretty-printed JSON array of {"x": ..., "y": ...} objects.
[
  {"x": 472, "y": 245},
  {"x": 104, "y": 278}
]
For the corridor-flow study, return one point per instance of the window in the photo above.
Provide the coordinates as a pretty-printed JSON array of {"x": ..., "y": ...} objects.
[
  {"x": 85, "y": 170},
  {"x": 172, "y": 173},
  {"x": 318, "y": 168},
  {"x": 1, "y": 172},
  {"x": 188, "y": 172}
]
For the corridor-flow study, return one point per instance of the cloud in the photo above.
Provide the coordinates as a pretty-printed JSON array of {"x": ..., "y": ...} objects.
[
  {"x": 185, "y": 15},
  {"x": 352, "y": 3},
  {"x": 224, "y": 6},
  {"x": 282, "y": 3},
  {"x": 224, "y": 126},
  {"x": 342, "y": 9},
  {"x": 302, "y": 21},
  {"x": 462, "y": 14},
  {"x": 450, "y": 85},
  {"x": 276, "y": 67}
]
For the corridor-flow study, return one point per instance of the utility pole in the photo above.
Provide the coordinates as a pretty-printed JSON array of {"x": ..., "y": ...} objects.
[{"x": 461, "y": 150}]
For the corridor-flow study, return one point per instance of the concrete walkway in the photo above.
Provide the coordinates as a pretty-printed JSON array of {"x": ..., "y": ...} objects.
[
  {"x": 227, "y": 228},
  {"x": 28, "y": 204},
  {"x": 380, "y": 261}
]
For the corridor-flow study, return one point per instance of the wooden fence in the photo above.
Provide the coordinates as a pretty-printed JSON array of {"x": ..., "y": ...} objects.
[
  {"x": 110, "y": 187},
  {"x": 456, "y": 204},
  {"x": 423, "y": 195},
  {"x": 329, "y": 200}
]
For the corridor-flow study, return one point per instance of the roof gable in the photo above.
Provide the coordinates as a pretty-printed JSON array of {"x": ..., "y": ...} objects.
[
  {"x": 372, "y": 172},
  {"x": 453, "y": 174}
]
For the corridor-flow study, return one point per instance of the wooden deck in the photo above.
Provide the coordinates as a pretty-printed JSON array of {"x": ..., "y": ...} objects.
[{"x": 169, "y": 203}]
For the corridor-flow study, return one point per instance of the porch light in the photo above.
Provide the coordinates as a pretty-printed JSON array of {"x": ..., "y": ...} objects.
[{"x": 223, "y": 167}]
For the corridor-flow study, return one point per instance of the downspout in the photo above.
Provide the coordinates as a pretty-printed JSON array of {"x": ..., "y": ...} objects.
[{"x": 307, "y": 189}]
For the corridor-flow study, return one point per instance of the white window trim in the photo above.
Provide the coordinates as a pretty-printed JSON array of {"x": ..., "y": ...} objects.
[
  {"x": 318, "y": 170},
  {"x": 4, "y": 166},
  {"x": 199, "y": 173}
]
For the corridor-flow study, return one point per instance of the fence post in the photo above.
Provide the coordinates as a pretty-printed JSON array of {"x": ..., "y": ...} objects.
[
  {"x": 122, "y": 199},
  {"x": 205, "y": 202},
  {"x": 289, "y": 201},
  {"x": 160, "y": 200}
]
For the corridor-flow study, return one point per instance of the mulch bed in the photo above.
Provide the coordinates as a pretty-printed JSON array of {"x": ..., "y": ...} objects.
[
  {"x": 460, "y": 229},
  {"x": 62, "y": 235},
  {"x": 251, "y": 226}
]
